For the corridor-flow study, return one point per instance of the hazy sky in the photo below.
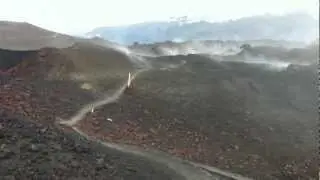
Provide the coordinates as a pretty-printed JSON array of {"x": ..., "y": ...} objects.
[{"x": 79, "y": 16}]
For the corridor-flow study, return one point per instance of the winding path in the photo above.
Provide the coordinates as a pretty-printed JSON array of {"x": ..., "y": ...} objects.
[
  {"x": 189, "y": 170},
  {"x": 107, "y": 100}
]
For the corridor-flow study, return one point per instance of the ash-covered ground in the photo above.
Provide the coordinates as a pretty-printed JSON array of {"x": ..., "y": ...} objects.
[
  {"x": 254, "y": 119},
  {"x": 33, "y": 151},
  {"x": 244, "y": 118}
]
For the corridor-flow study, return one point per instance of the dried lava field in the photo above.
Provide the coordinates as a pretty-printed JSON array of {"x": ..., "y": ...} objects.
[
  {"x": 239, "y": 117},
  {"x": 249, "y": 120},
  {"x": 34, "y": 147},
  {"x": 33, "y": 151}
]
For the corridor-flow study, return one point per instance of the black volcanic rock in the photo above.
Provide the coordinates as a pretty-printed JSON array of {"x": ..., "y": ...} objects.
[
  {"x": 9, "y": 59},
  {"x": 27, "y": 151},
  {"x": 236, "y": 116}
]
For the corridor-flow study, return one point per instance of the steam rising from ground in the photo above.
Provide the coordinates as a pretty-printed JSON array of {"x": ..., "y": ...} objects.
[
  {"x": 187, "y": 169},
  {"x": 194, "y": 47},
  {"x": 139, "y": 59},
  {"x": 221, "y": 51},
  {"x": 135, "y": 58},
  {"x": 271, "y": 64},
  {"x": 139, "y": 54}
]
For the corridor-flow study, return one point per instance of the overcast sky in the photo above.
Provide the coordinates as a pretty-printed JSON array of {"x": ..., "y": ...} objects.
[{"x": 79, "y": 16}]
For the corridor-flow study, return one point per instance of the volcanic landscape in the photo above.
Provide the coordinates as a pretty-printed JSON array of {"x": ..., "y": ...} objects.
[{"x": 195, "y": 110}]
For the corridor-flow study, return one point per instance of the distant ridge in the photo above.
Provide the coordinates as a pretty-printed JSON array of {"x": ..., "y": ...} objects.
[{"x": 291, "y": 27}]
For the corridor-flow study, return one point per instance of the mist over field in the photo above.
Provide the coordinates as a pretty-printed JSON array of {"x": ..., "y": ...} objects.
[{"x": 176, "y": 100}]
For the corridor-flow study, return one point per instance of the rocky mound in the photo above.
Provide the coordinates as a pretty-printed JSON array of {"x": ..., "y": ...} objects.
[
  {"x": 83, "y": 62},
  {"x": 55, "y": 83}
]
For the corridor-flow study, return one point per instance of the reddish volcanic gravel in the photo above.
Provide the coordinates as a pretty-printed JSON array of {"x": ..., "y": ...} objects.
[
  {"x": 213, "y": 127},
  {"x": 43, "y": 100},
  {"x": 35, "y": 151},
  {"x": 189, "y": 114},
  {"x": 232, "y": 149}
]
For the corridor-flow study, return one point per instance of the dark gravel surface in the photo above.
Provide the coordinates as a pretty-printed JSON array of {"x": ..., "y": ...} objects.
[
  {"x": 31, "y": 151},
  {"x": 43, "y": 101},
  {"x": 248, "y": 120},
  {"x": 233, "y": 116}
]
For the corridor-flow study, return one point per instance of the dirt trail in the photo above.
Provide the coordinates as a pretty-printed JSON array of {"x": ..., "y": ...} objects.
[
  {"x": 107, "y": 100},
  {"x": 189, "y": 170}
]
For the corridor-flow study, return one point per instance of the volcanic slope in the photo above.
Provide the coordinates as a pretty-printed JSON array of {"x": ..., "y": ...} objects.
[
  {"x": 42, "y": 82},
  {"x": 52, "y": 82},
  {"x": 236, "y": 116},
  {"x": 33, "y": 151},
  {"x": 25, "y": 36},
  {"x": 241, "y": 117}
]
